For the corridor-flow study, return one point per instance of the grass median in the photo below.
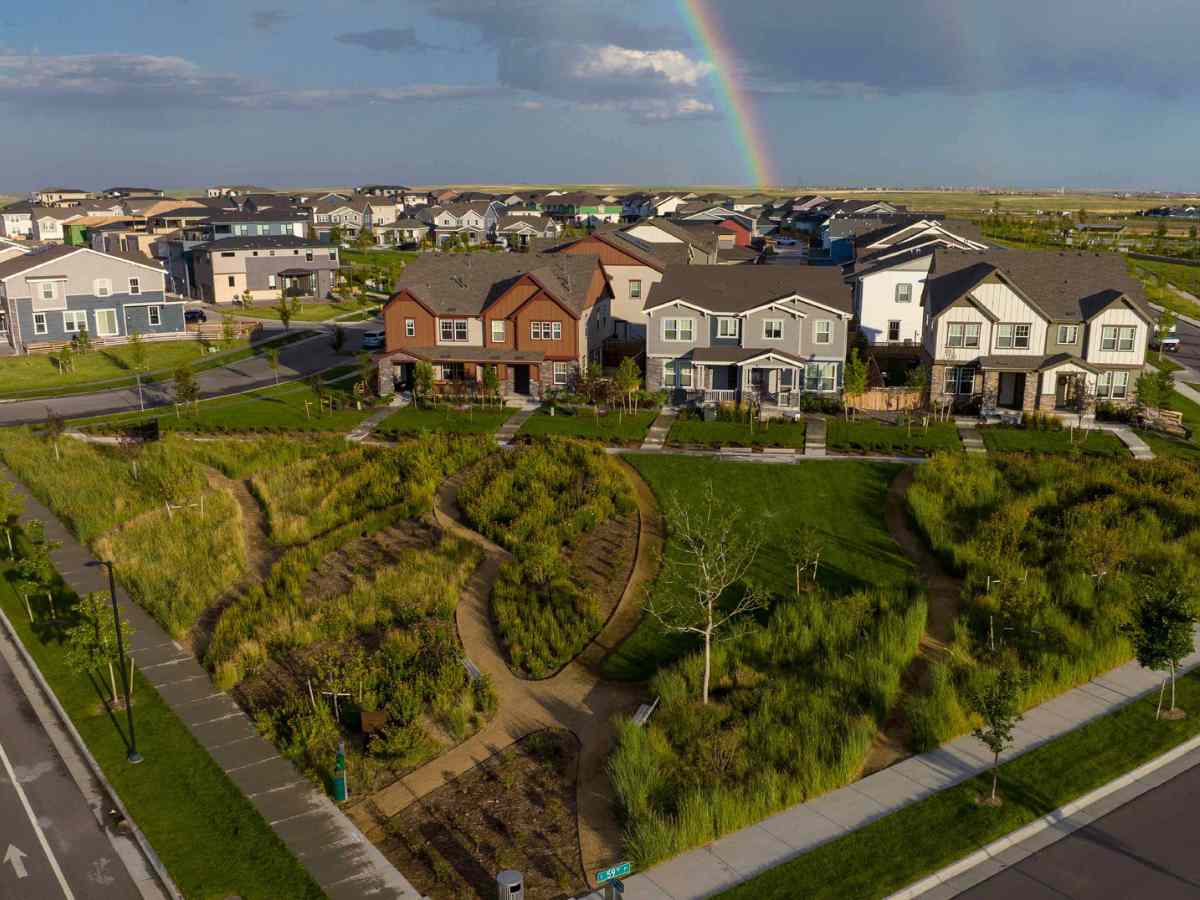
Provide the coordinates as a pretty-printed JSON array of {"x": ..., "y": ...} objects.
[
  {"x": 908, "y": 845},
  {"x": 212, "y": 841}
]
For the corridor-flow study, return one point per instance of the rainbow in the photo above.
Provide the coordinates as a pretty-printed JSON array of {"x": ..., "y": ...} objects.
[{"x": 739, "y": 108}]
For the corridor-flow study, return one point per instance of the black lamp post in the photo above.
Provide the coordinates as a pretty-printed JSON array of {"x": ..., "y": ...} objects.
[{"x": 133, "y": 756}]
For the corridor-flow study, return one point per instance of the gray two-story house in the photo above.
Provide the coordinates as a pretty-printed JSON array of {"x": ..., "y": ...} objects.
[
  {"x": 768, "y": 333},
  {"x": 50, "y": 296}
]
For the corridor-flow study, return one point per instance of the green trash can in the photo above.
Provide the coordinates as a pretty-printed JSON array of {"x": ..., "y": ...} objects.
[{"x": 340, "y": 794}]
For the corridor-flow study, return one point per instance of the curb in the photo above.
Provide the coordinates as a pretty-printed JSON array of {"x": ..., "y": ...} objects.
[
  {"x": 1059, "y": 819},
  {"x": 147, "y": 851}
]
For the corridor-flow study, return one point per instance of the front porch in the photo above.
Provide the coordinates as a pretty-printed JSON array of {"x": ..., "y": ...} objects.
[
  {"x": 458, "y": 374},
  {"x": 770, "y": 379}
]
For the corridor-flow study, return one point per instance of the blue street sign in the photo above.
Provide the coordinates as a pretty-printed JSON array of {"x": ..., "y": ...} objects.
[{"x": 620, "y": 870}]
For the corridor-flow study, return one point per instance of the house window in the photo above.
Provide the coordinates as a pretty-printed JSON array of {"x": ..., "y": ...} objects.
[
  {"x": 668, "y": 377},
  {"x": 106, "y": 323},
  {"x": 1114, "y": 385},
  {"x": 232, "y": 281},
  {"x": 635, "y": 288},
  {"x": 904, "y": 293},
  {"x": 154, "y": 314},
  {"x": 410, "y": 327},
  {"x": 772, "y": 329},
  {"x": 75, "y": 320},
  {"x": 102, "y": 287},
  {"x": 39, "y": 323},
  {"x": 727, "y": 327},
  {"x": 678, "y": 329},
  {"x": 1012, "y": 336},
  {"x": 962, "y": 334},
  {"x": 893, "y": 329},
  {"x": 453, "y": 329},
  {"x": 1068, "y": 334},
  {"x": 497, "y": 331},
  {"x": 272, "y": 281},
  {"x": 562, "y": 371},
  {"x": 545, "y": 331},
  {"x": 228, "y": 253},
  {"x": 47, "y": 291},
  {"x": 959, "y": 380},
  {"x": 454, "y": 371},
  {"x": 823, "y": 331},
  {"x": 685, "y": 374},
  {"x": 332, "y": 254},
  {"x": 308, "y": 257},
  {"x": 820, "y": 377}
]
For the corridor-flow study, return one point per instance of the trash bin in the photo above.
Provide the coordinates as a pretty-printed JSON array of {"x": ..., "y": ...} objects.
[
  {"x": 709, "y": 413},
  {"x": 510, "y": 885}
]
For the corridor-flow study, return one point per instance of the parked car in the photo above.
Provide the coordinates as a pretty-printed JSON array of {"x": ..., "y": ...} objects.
[
  {"x": 1168, "y": 342},
  {"x": 195, "y": 316},
  {"x": 374, "y": 340}
]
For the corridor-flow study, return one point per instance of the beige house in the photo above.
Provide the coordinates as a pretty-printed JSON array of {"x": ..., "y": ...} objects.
[{"x": 264, "y": 266}]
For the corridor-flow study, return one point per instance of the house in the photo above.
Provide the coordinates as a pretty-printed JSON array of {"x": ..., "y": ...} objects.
[
  {"x": 48, "y": 222},
  {"x": 515, "y": 232},
  {"x": 10, "y": 249},
  {"x": 382, "y": 190},
  {"x": 410, "y": 199},
  {"x": 475, "y": 221},
  {"x": 538, "y": 318},
  {"x": 236, "y": 190},
  {"x": 50, "y": 296},
  {"x": 336, "y": 212},
  {"x": 60, "y": 196},
  {"x": 16, "y": 220},
  {"x": 1033, "y": 330},
  {"x": 402, "y": 233},
  {"x": 765, "y": 333},
  {"x": 378, "y": 212},
  {"x": 265, "y": 266},
  {"x": 724, "y": 214},
  {"x": 121, "y": 193},
  {"x": 582, "y": 208}
]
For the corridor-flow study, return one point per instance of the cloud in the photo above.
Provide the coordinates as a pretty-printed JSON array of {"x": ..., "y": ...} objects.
[
  {"x": 530, "y": 104},
  {"x": 611, "y": 60},
  {"x": 387, "y": 40},
  {"x": 270, "y": 19},
  {"x": 323, "y": 98}
]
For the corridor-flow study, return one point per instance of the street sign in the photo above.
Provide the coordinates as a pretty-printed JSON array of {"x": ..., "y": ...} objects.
[{"x": 620, "y": 870}]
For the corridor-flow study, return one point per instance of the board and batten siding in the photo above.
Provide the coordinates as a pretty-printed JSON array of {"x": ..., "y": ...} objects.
[
  {"x": 1050, "y": 378},
  {"x": 964, "y": 311},
  {"x": 1119, "y": 316},
  {"x": 1003, "y": 303}
]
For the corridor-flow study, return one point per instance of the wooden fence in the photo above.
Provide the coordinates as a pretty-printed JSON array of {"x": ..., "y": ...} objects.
[{"x": 887, "y": 400}]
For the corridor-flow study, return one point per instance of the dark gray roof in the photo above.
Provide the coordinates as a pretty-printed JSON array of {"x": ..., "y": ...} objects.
[
  {"x": 467, "y": 283},
  {"x": 19, "y": 264},
  {"x": 1064, "y": 286},
  {"x": 741, "y": 254},
  {"x": 263, "y": 242},
  {"x": 736, "y": 289},
  {"x": 473, "y": 354},
  {"x": 740, "y": 354},
  {"x": 276, "y": 214},
  {"x": 1012, "y": 363}
]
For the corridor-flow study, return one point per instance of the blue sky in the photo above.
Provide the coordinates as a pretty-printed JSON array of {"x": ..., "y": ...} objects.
[{"x": 309, "y": 92}]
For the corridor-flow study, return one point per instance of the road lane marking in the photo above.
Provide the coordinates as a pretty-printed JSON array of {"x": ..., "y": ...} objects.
[{"x": 41, "y": 835}]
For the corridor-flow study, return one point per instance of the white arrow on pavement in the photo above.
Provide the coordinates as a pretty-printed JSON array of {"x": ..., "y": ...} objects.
[{"x": 15, "y": 857}]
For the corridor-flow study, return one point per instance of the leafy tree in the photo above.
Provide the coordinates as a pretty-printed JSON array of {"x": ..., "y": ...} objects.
[
  {"x": 804, "y": 551},
  {"x": 365, "y": 239},
  {"x": 35, "y": 569},
  {"x": 66, "y": 360},
  {"x": 335, "y": 235},
  {"x": 55, "y": 426},
  {"x": 10, "y": 509},
  {"x": 1155, "y": 389},
  {"x": 855, "y": 378},
  {"x": 628, "y": 380},
  {"x": 92, "y": 641},
  {"x": 917, "y": 378},
  {"x": 297, "y": 305},
  {"x": 715, "y": 553},
  {"x": 998, "y": 704},
  {"x": 187, "y": 390},
  {"x": 1162, "y": 633},
  {"x": 228, "y": 333},
  {"x": 271, "y": 354},
  {"x": 338, "y": 340},
  {"x": 285, "y": 313},
  {"x": 366, "y": 365},
  {"x": 491, "y": 382},
  {"x": 422, "y": 381},
  {"x": 137, "y": 352},
  {"x": 247, "y": 298},
  {"x": 82, "y": 341}
]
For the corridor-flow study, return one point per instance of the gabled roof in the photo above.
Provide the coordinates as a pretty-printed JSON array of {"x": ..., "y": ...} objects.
[
  {"x": 514, "y": 223},
  {"x": 736, "y": 289},
  {"x": 19, "y": 264}
]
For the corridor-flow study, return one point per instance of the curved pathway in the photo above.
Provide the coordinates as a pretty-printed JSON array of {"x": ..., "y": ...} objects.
[
  {"x": 576, "y": 698},
  {"x": 943, "y": 595}
]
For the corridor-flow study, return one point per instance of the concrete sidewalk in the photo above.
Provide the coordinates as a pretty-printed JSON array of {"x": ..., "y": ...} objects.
[
  {"x": 335, "y": 853},
  {"x": 742, "y": 854},
  {"x": 814, "y": 436},
  {"x": 508, "y": 431},
  {"x": 656, "y": 437}
]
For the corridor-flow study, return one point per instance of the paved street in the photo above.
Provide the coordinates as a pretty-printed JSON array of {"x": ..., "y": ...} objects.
[
  {"x": 294, "y": 360},
  {"x": 51, "y": 843},
  {"x": 1189, "y": 346},
  {"x": 1147, "y": 848}
]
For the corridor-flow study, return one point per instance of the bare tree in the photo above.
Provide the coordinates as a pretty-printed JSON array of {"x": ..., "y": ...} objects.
[
  {"x": 713, "y": 553},
  {"x": 804, "y": 551}
]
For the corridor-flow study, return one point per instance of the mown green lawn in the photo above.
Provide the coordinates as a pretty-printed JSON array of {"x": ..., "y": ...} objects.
[
  {"x": 212, "y": 841},
  {"x": 277, "y": 408},
  {"x": 892, "y": 852},
  {"x": 611, "y": 428},
  {"x": 843, "y": 500},
  {"x": 447, "y": 419},
  {"x": 736, "y": 434},
  {"x": 879, "y": 437},
  {"x": 1011, "y": 439},
  {"x": 1163, "y": 445},
  {"x": 309, "y": 312},
  {"x": 1190, "y": 410},
  {"x": 1166, "y": 364}
]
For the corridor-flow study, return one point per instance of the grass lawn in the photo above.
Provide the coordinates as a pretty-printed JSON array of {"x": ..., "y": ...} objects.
[
  {"x": 901, "y": 848},
  {"x": 280, "y": 408},
  {"x": 447, "y": 419},
  {"x": 309, "y": 312},
  {"x": 844, "y": 500},
  {"x": 1190, "y": 410},
  {"x": 875, "y": 436},
  {"x": 1163, "y": 445},
  {"x": 1009, "y": 439},
  {"x": 736, "y": 434},
  {"x": 1166, "y": 364},
  {"x": 611, "y": 428},
  {"x": 211, "y": 840}
]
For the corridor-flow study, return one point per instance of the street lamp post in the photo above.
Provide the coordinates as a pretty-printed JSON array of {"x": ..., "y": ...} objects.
[{"x": 133, "y": 756}]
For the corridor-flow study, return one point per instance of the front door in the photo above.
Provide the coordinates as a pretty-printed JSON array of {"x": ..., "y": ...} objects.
[
  {"x": 1066, "y": 391},
  {"x": 521, "y": 380},
  {"x": 1012, "y": 390}
]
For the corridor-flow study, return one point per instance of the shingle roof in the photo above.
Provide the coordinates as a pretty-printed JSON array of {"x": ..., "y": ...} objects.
[
  {"x": 1064, "y": 286},
  {"x": 538, "y": 223},
  {"x": 262, "y": 215},
  {"x": 263, "y": 242},
  {"x": 19, "y": 264},
  {"x": 739, "y": 288},
  {"x": 466, "y": 284}
]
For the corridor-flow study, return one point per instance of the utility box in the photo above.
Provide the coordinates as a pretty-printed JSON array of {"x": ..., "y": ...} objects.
[{"x": 510, "y": 885}]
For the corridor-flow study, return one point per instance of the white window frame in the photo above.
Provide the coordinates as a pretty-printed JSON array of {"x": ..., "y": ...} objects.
[
  {"x": 135, "y": 285},
  {"x": 41, "y": 327},
  {"x": 823, "y": 326},
  {"x": 1014, "y": 336},
  {"x": 1064, "y": 330},
  {"x": 53, "y": 291},
  {"x": 820, "y": 382},
  {"x": 966, "y": 337},
  {"x": 72, "y": 318},
  {"x": 727, "y": 327},
  {"x": 635, "y": 288},
  {"x": 115, "y": 320},
  {"x": 102, "y": 287},
  {"x": 772, "y": 330},
  {"x": 905, "y": 295},
  {"x": 410, "y": 327},
  {"x": 676, "y": 327},
  {"x": 1126, "y": 334},
  {"x": 562, "y": 373},
  {"x": 272, "y": 281},
  {"x": 498, "y": 335},
  {"x": 685, "y": 374},
  {"x": 154, "y": 315},
  {"x": 1112, "y": 385}
]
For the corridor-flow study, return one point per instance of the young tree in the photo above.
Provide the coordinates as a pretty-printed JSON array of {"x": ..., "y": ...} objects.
[
  {"x": 491, "y": 382},
  {"x": 628, "y": 380},
  {"x": 854, "y": 379},
  {"x": 804, "y": 550},
  {"x": 365, "y": 239},
  {"x": 422, "y": 381},
  {"x": 1161, "y": 631},
  {"x": 247, "y": 299},
  {"x": 715, "y": 552},
  {"x": 366, "y": 365},
  {"x": 285, "y": 313},
  {"x": 35, "y": 569},
  {"x": 1155, "y": 389},
  {"x": 92, "y": 641},
  {"x": 998, "y": 704},
  {"x": 228, "y": 333},
  {"x": 66, "y": 360},
  {"x": 338, "y": 339},
  {"x": 186, "y": 389},
  {"x": 82, "y": 341},
  {"x": 297, "y": 305},
  {"x": 10, "y": 509},
  {"x": 55, "y": 426},
  {"x": 335, "y": 235},
  {"x": 137, "y": 352},
  {"x": 271, "y": 354}
]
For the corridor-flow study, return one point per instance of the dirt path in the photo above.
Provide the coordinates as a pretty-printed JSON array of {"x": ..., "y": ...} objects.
[
  {"x": 575, "y": 698},
  {"x": 943, "y": 595}
]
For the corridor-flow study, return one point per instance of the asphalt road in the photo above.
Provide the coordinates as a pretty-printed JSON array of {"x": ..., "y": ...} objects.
[
  {"x": 51, "y": 844},
  {"x": 1149, "y": 847},
  {"x": 294, "y": 360},
  {"x": 1189, "y": 346}
]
